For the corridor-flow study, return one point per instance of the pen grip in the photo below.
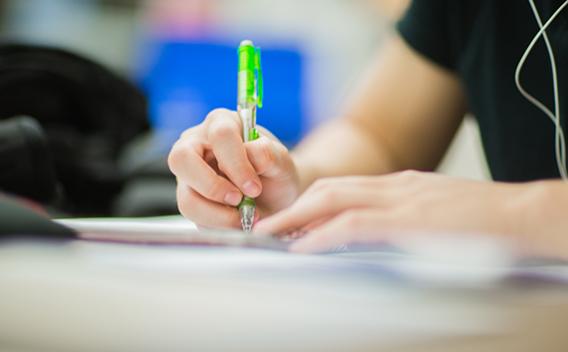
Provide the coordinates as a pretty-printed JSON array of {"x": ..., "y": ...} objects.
[{"x": 253, "y": 134}]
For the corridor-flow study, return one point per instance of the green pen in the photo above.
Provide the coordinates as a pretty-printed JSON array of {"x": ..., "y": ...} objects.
[{"x": 249, "y": 97}]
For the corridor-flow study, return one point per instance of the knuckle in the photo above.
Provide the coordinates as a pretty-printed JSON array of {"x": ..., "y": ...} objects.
[
  {"x": 173, "y": 159},
  {"x": 221, "y": 117},
  {"x": 408, "y": 175},
  {"x": 183, "y": 153},
  {"x": 328, "y": 195},
  {"x": 268, "y": 156},
  {"x": 222, "y": 130},
  {"x": 191, "y": 131},
  {"x": 177, "y": 156},
  {"x": 216, "y": 114},
  {"x": 280, "y": 148}
]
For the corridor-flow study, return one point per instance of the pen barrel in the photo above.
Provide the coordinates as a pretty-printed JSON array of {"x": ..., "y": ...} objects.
[
  {"x": 246, "y": 94},
  {"x": 249, "y": 97},
  {"x": 247, "y": 116}
]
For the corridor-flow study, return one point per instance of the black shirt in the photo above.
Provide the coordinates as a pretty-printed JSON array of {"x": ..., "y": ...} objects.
[{"x": 481, "y": 41}]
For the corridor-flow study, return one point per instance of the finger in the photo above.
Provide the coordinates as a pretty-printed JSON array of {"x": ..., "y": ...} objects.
[
  {"x": 321, "y": 241},
  {"x": 268, "y": 157},
  {"x": 187, "y": 162},
  {"x": 323, "y": 184},
  {"x": 306, "y": 229},
  {"x": 312, "y": 207},
  {"x": 224, "y": 135},
  {"x": 380, "y": 191},
  {"x": 351, "y": 227},
  {"x": 405, "y": 182},
  {"x": 204, "y": 212},
  {"x": 317, "y": 223}
]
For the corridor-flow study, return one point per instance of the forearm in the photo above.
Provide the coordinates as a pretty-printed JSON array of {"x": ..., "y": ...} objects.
[
  {"x": 403, "y": 116},
  {"x": 341, "y": 147}
]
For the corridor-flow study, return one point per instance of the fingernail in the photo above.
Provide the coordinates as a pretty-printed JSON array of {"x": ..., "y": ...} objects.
[
  {"x": 233, "y": 198},
  {"x": 251, "y": 189}
]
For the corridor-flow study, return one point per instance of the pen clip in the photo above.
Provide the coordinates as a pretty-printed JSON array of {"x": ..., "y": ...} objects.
[{"x": 259, "y": 80}]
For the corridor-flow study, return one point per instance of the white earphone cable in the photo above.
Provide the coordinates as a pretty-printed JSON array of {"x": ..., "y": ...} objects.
[{"x": 560, "y": 142}]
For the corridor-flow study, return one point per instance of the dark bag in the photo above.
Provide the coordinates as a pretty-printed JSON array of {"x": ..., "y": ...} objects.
[{"x": 85, "y": 116}]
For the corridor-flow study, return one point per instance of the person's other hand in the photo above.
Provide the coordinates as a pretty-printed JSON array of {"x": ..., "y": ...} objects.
[
  {"x": 214, "y": 169},
  {"x": 338, "y": 211}
]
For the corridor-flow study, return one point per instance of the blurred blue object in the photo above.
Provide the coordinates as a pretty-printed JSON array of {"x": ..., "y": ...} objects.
[{"x": 185, "y": 80}]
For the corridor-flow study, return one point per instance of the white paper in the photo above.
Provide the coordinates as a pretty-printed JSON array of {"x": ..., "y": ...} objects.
[{"x": 166, "y": 230}]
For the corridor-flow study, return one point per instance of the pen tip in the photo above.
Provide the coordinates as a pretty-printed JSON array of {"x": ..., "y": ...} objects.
[
  {"x": 247, "y": 225},
  {"x": 247, "y": 218}
]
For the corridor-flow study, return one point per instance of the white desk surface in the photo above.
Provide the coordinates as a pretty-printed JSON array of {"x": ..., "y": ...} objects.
[{"x": 81, "y": 296}]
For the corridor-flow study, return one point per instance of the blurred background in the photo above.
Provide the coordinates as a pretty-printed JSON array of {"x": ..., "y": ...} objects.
[{"x": 182, "y": 54}]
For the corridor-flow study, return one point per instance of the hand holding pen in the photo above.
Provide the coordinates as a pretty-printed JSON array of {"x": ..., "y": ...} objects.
[{"x": 216, "y": 168}]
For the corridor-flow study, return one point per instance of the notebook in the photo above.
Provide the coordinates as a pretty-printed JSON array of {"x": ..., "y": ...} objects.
[{"x": 167, "y": 231}]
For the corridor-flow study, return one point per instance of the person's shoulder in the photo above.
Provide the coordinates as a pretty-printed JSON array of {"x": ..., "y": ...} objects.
[
  {"x": 473, "y": 8},
  {"x": 436, "y": 28},
  {"x": 449, "y": 7}
]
